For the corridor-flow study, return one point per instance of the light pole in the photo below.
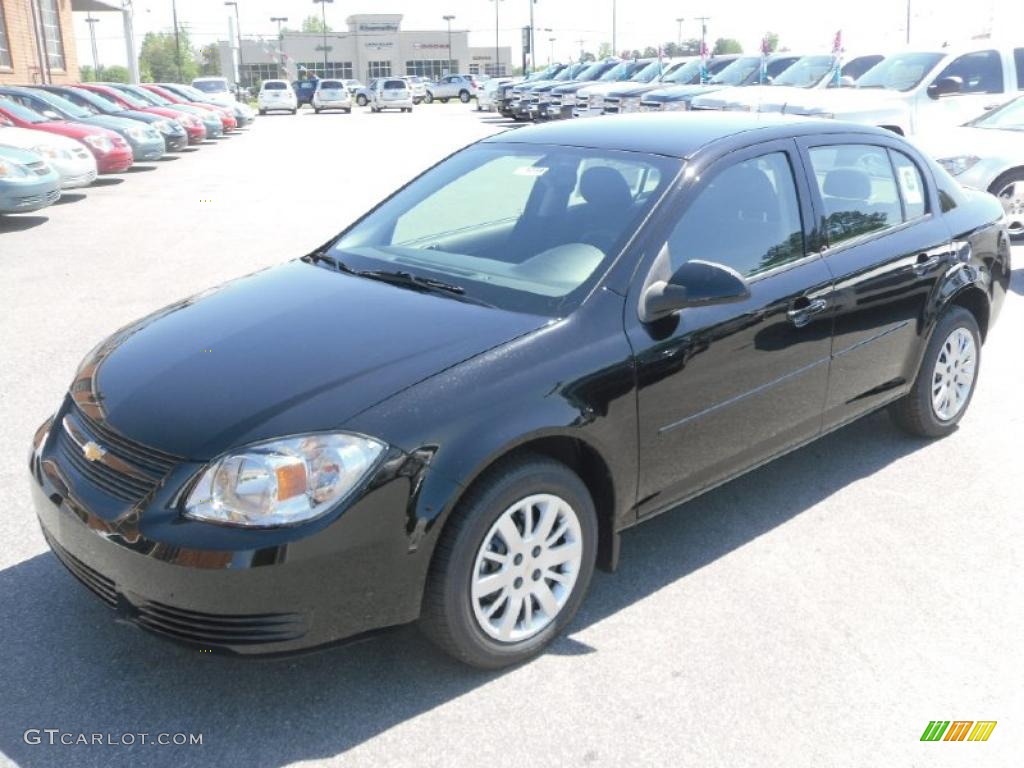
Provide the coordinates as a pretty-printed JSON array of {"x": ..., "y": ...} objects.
[
  {"x": 615, "y": 51},
  {"x": 323, "y": 24},
  {"x": 908, "y": 22},
  {"x": 92, "y": 22},
  {"x": 497, "y": 49},
  {"x": 551, "y": 56},
  {"x": 177, "y": 40},
  {"x": 449, "y": 18},
  {"x": 238, "y": 29},
  {"x": 680, "y": 21},
  {"x": 279, "y": 20}
]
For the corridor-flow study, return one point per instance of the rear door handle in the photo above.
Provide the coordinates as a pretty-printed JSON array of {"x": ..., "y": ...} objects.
[
  {"x": 803, "y": 309},
  {"x": 925, "y": 263}
]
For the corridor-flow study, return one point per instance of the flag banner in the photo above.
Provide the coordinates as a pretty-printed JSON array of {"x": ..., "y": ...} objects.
[
  {"x": 765, "y": 51},
  {"x": 703, "y": 62},
  {"x": 837, "y": 58}
]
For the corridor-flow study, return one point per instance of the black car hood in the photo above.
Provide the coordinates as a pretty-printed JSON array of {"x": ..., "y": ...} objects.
[{"x": 293, "y": 349}]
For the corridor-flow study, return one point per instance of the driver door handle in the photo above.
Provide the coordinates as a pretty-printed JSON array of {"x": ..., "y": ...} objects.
[
  {"x": 925, "y": 263},
  {"x": 803, "y": 309}
]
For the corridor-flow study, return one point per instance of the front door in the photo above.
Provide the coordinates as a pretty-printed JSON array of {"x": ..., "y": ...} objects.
[{"x": 722, "y": 388}]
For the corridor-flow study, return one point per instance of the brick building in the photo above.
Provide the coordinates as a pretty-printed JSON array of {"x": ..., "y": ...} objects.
[{"x": 37, "y": 42}]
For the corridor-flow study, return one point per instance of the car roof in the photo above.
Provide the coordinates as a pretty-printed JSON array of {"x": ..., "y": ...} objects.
[{"x": 676, "y": 135}]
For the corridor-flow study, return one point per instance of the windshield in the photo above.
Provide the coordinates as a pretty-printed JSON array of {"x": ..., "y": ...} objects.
[
  {"x": 684, "y": 75},
  {"x": 102, "y": 100},
  {"x": 737, "y": 71},
  {"x": 524, "y": 227},
  {"x": 806, "y": 73},
  {"x": 63, "y": 105},
  {"x": 147, "y": 96},
  {"x": 569, "y": 73},
  {"x": 21, "y": 112},
  {"x": 647, "y": 74},
  {"x": 94, "y": 103},
  {"x": 131, "y": 98},
  {"x": 211, "y": 86},
  {"x": 1009, "y": 117},
  {"x": 619, "y": 71},
  {"x": 899, "y": 72},
  {"x": 592, "y": 72}
]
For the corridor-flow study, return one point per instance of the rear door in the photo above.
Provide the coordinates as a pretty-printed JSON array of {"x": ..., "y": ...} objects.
[
  {"x": 887, "y": 247},
  {"x": 722, "y": 388}
]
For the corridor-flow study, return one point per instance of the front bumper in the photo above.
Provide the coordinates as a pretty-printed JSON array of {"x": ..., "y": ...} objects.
[
  {"x": 115, "y": 161},
  {"x": 234, "y": 590},
  {"x": 175, "y": 142},
  {"x": 25, "y": 197},
  {"x": 150, "y": 149},
  {"x": 335, "y": 104}
]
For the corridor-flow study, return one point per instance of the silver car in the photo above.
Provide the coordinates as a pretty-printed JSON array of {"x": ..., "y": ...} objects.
[
  {"x": 390, "y": 93},
  {"x": 986, "y": 153},
  {"x": 461, "y": 87}
]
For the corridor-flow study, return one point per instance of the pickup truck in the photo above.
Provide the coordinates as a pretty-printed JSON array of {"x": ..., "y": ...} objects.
[
  {"x": 686, "y": 72},
  {"x": 742, "y": 71},
  {"x": 915, "y": 90}
]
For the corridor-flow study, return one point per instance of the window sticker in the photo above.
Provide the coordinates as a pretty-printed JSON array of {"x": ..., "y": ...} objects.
[
  {"x": 530, "y": 170},
  {"x": 910, "y": 185}
]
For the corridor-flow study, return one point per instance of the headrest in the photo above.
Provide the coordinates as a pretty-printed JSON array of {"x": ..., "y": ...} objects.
[{"x": 848, "y": 183}]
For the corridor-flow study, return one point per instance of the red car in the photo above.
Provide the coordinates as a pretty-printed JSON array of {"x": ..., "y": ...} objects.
[
  {"x": 192, "y": 125},
  {"x": 113, "y": 154},
  {"x": 227, "y": 117}
]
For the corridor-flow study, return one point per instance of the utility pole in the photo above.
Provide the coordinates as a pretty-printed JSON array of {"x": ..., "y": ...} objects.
[
  {"x": 497, "y": 49},
  {"x": 129, "y": 41},
  {"x": 279, "y": 20},
  {"x": 581, "y": 42},
  {"x": 680, "y": 21},
  {"x": 703, "y": 31},
  {"x": 177, "y": 40},
  {"x": 908, "y": 22},
  {"x": 449, "y": 18},
  {"x": 92, "y": 22},
  {"x": 323, "y": 24},
  {"x": 533, "y": 55},
  {"x": 615, "y": 47},
  {"x": 551, "y": 58}
]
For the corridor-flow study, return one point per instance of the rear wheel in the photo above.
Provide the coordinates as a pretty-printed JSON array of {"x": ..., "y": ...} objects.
[
  {"x": 1009, "y": 188},
  {"x": 464, "y": 97},
  {"x": 316, "y": 110},
  {"x": 513, "y": 564},
  {"x": 946, "y": 380}
]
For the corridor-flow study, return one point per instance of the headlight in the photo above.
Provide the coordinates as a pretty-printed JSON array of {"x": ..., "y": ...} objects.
[
  {"x": 958, "y": 164},
  {"x": 739, "y": 108},
  {"x": 282, "y": 482},
  {"x": 47, "y": 150},
  {"x": 11, "y": 170},
  {"x": 164, "y": 126},
  {"x": 99, "y": 143},
  {"x": 139, "y": 134},
  {"x": 629, "y": 104}
]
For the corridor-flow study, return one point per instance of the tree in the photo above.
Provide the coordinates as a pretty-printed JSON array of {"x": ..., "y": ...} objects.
[
  {"x": 690, "y": 47},
  {"x": 315, "y": 24},
  {"x": 604, "y": 51},
  {"x": 209, "y": 60},
  {"x": 773, "y": 41},
  {"x": 671, "y": 49},
  {"x": 158, "y": 58},
  {"x": 587, "y": 56},
  {"x": 115, "y": 73},
  {"x": 86, "y": 75},
  {"x": 650, "y": 52},
  {"x": 727, "y": 45},
  {"x": 627, "y": 54}
]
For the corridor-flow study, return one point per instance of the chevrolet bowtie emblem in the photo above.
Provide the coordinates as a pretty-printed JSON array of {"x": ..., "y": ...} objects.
[{"x": 93, "y": 452}]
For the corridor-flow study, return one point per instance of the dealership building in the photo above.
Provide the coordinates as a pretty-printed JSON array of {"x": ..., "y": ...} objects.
[
  {"x": 37, "y": 44},
  {"x": 374, "y": 45}
]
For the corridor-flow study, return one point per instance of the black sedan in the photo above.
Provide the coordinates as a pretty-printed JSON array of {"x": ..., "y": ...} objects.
[{"x": 450, "y": 412}]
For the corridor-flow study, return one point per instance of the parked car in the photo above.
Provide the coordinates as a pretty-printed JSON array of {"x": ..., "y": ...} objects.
[
  {"x": 987, "y": 154},
  {"x": 277, "y": 95},
  {"x": 742, "y": 71},
  {"x": 507, "y": 92},
  {"x": 417, "y": 86},
  {"x": 332, "y": 94},
  {"x": 193, "y": 126},
  {"x": 69, "y": 158},
  {"x": 926, "y": 88},
  {"x": 112, "y": 153},
  {"x": 626, "y": 98},
  {"x": 461, "y": 87},
  {"x": 243, "y": 113},
  {"x": 809, "y": 74},
  {"x": 526, "y": 96},
  {"x": 304, "y": 90},
  {"x": 353, "y": 86},
  {"x": 212, "y": 124},
  {"x": 173, "y": 133},
  {"x": 562, "y": 101},
  {"x": 525, "y": 391},
  {"x": 145, "y": 142},
  {"x": 391, "y": 93},
  {"x": 590, "y": 100},
  {"x": 226, "y": 116},
  {"x": 217, "y": 89},
  {"x": 363, "y": 93},
  {"x": 27, "y": 182},
  {"x": 486, "y": 99}
]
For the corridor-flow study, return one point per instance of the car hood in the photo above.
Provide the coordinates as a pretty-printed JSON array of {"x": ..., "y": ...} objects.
[
  {"x": 843, "y": 100},
  {"x": 119, "y": 124},
  {"x": 962, "y": 140},
  {"x": 635, "y": 89},
  {"x": 682, "y": 92},
  {"x": 289, "y": 350},
  {"x": 25, "y": 138}
]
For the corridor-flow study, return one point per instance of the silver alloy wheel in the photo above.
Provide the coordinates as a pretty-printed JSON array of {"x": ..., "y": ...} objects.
[
  {"x": 526, "y": 567},
  {"x": 1012, "y": 198},
  {"x": 953, "y": 375}
]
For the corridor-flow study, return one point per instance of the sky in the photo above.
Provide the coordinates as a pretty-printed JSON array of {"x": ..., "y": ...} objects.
[{"x": 866, "y": 24}]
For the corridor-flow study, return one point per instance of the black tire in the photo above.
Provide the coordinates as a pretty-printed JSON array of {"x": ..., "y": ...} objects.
[
  {"x": 428, "y": 98},
  {"x": 348, "y": 111},
  {"x": 316, "y": 110},
  {"x": 464, "y": 97},
  {"x": 914, "y": 413},
  {"x": 1012, "y": 175},
  {"x": 361, "y": 100},
  {"x": 448, "y": 617},
  {"x": 294, "y": 111}
]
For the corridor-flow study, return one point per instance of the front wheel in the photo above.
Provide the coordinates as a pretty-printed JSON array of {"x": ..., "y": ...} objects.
[
  {"x": 513, "y": 564},
  {"x": 428, "y": 97},
  {"x": 1009, "y": 188},
  {"x": 946, "y": 380},
  {"x": 464, "y": 97},
  {"x": 316, "y": 110}
]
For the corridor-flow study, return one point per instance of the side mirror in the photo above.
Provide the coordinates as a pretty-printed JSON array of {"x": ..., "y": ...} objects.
[
  {"x": 695, "y": 284},
  {"x": 846, "y": 81},
  {"x": 945, "y": 86},
  {"x": 51, "y": 114}
]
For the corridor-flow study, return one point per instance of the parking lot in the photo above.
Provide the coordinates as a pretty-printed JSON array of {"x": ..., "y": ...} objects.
[{"x": 819, "y": 611}]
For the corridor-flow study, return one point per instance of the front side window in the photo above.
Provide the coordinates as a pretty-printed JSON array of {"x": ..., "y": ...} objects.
[
  {"x": 980, "y": 72},
  {"x": 5, "y": 46},
  {"x": 747, "y": 217},
  {"x": 524, "y": 227},
  {"x": 52, "y": 39},
  {"x": 1018, "y": 62},
  {"x": 857, "y": 188}
]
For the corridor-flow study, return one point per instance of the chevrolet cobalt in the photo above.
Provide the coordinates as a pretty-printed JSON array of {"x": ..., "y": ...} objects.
[{"x": 450, "y": 412}]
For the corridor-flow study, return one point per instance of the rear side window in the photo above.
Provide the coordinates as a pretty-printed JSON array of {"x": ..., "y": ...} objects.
[
  {"x": 980, "y": 71},
  {"x": 857, "y": 189},
  {"x": 1018, "y": 60},
  {"x": 911, "y": 185},
  {"x": 747, "y": 217}
]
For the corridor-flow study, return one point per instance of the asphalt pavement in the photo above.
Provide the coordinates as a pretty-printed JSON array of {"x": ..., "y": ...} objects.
[{"x": 818, "y": 612}]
